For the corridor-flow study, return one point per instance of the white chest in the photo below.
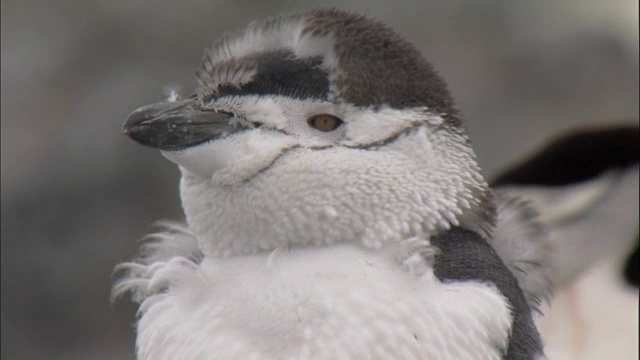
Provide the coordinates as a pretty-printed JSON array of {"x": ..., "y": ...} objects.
[{"x": 339, "y": 302}]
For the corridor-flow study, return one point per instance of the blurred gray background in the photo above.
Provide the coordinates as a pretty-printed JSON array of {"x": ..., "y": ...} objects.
[{"x": 77, "y": 195}]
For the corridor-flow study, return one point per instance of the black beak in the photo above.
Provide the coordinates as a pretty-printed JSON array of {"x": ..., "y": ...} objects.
[{"x": 176, "y": 125}]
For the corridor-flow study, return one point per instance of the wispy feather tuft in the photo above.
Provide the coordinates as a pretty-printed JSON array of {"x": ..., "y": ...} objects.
[
  {"x": 166, "y": 256},
  {"x": 522, "y": 243}
]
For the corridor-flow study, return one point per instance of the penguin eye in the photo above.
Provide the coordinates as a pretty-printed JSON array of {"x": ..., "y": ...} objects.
[{"x": 325, "y": 122}]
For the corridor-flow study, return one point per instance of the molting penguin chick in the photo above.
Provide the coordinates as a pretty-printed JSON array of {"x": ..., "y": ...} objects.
[{"x": 334, "y": 209}]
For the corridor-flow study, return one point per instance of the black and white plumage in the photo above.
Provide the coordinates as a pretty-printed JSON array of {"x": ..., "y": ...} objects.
[
  {"x": 334, "y": 209},
  {"x": 585, "y": 185}
]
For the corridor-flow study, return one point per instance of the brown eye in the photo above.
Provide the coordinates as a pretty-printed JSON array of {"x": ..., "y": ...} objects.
[{"x": 325, "y": 122}]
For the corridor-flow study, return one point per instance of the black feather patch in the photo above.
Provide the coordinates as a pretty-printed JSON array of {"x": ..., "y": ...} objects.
[
  {"x": 465, "y": 256},
  {"x": 282, "y": 73},
  {"x": 576, "y": 157},
  {"x": 631, "y": 274},
  {"x": 376, "y": 66}
]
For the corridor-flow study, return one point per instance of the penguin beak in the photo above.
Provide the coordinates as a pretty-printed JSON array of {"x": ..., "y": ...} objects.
[{"x": 176, "y": 125}]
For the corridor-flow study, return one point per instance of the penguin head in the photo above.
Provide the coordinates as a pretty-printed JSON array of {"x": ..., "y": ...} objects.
[{"x": 314, "y": 129}]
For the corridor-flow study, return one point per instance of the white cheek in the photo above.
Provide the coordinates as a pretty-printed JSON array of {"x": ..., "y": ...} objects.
[
  {"x": 241, "y": 155},
  {"x": 203, "y": 160},
  {"x": 368, "y": 126},
  {"x": 266, "y": 110}
]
